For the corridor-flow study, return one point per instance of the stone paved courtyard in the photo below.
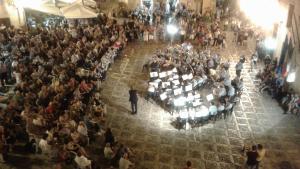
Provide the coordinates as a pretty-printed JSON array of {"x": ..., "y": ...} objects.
[{"x": 158, "y": 145}]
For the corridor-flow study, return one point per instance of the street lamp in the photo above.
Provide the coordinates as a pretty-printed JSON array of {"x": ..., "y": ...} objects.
[{"x": 172, "y": 30}]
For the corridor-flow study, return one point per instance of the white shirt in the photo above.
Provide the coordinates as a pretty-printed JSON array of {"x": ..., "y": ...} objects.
[
  {"x": 221, "y": 108},
  {"x": 231, "y": 91},
  {"x": 18, "y": 77},
  {"x": 239, "y": 66},
  {"x": 43, "y": 144},
  {"x": 82, "y": 130},
  {"x": 108, "y": 153},
  {"x": 222, "y": 92},
  {"x": 229, "y": 106},
  {"x": 213, "y": 109},
  {"x": 82, "y": 162},
  {"x": 261, "y": 154},
  {"x": 124, "y": 163}
]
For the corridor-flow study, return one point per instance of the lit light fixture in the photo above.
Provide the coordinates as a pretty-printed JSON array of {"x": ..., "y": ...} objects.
[
  {"x": 291, "y": 77},
  {"x": 270, "y": 43},
  {"x": 172, "y": 29},
  {"x": 264, "y": 13}
]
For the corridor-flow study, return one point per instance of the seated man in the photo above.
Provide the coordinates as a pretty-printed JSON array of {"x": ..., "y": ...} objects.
[
  {"x": 82, "y": 162},
  {"x": 231, "y": 92},
  {"x": 124, "y": 162},
  {"x": 221, "y": 108},
  {"x": 108, "y": 152},
  {"x": 213, "y": 110}
]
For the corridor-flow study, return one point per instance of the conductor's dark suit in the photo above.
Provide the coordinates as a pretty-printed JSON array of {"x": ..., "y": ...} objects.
[{"x": 133, "y": 99}]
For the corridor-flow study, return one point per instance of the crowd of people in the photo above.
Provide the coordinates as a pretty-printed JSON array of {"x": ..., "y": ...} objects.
[
  {"x": 179, "y": 67},
  {"x": 255, "y": 155},
  {"x": 150, "y": 24},
  {"x": 273, "y": 82},
  {"x": 56, "y": 103},
  {"x": 58, "y": 73}
]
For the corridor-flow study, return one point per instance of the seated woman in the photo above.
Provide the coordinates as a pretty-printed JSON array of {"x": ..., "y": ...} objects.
[
  {"x": 108, "y": 152},
  {"x": 82, "y": 161}
]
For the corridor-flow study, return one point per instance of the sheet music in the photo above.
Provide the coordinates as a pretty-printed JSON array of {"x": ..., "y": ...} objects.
[
  {"x": 163, "y": 96},
  {"x": 184, "y": 77},
  {"x": 190, "y": 76},
  {"x": 162, "y": 74},
  {"x": 175, "y": 77},
  {"x": 210, "y": 97},
  {"x": 177, "y": 91},
  {"x": 153, "y": 74},
  {"x": 176, "y": 82},
  {"x": 190, "y": 97},
  {"x": 151, "y": 89},
  {"x": 197, "y": 96},
  {"x": 155, "y": 84},
  {"x": 188, "y": 87},
  {"x": 184, "y": 114},
  {"x": 166, "y": 84}
]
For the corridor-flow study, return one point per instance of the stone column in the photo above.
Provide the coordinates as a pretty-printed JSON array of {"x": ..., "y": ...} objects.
[{"x": 16, "y": 14}]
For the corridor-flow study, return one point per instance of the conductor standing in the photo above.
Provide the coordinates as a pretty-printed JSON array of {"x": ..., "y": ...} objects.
[{"x": 133, "y": 99}]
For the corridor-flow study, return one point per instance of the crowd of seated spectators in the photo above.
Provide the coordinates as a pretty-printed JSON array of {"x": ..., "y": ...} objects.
[
  {"x": 56, "y": 103},
  {"x": 273, "y": 82}
]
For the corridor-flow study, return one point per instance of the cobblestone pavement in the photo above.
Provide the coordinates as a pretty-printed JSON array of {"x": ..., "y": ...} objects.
[{"x": 158, "y": 145}]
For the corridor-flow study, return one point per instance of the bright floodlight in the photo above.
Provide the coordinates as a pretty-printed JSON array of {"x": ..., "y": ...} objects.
[
  {"x": 291, "y": 77},
  {"x": 264, "y": 13},
  {"x": 270, "y": 43},
  {"x": 172, "y": 29}
]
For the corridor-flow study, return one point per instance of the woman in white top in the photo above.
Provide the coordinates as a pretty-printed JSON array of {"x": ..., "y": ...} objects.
[
  {"x": 124, "y": 162},
  {"x": 82, "y": 129},
  {"x": 261, "y": 154}
]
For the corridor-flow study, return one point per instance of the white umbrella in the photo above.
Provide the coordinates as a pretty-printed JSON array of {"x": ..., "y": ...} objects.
[
  {"x": 50, "y": 9},
  {"x": 78, "y": 11}
]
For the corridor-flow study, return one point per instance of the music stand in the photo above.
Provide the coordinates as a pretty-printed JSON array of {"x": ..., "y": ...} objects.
[
  {"x": 190, "y": 76},
  {"x": 176, "y": 82},
  {"x": 204, "y": 111},
  {"x": 179, "y": 102},
  {"x": 185, "y": 77},
  {"x": 162, "y": 74},
  {"x": 210, "y": 97},
  {"x": 177, "y": 91},
  {"x": 188, "y": 87},
  {"x": 196, "y": 103},
  {"x": 197, "y": 114},
  {"x": 197, "y": 96},
  {"x": 190, "y": 97},
  {"x": 183, "y": 114},
  {"x": 153, "y": 74},
  {"x": 163, "y": 96},
  {"x": 165, "y": 84},
  {"x": 155, "y": 84},
  {"x": 175, "y": 77},
  {"x": 151, "y": 89},
  {"x": 169, "y": 73}
]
